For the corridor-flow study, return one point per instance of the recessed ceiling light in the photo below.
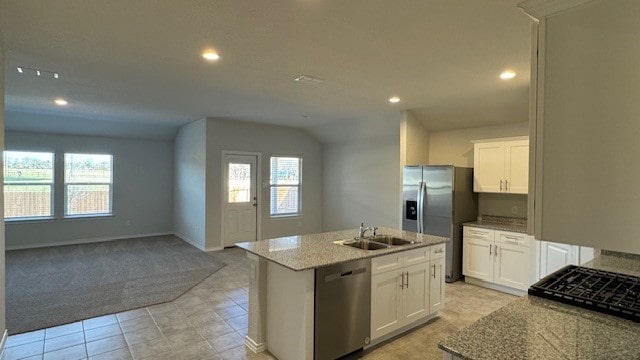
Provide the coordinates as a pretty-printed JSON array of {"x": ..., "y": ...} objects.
[
  {"x": 507, "y": 75},
  {"x": 20, "y": 70},
  {"x": 211, "y": 55},
  {"x": 61, "y": 102},
  {"x": 394, "y": 99}
]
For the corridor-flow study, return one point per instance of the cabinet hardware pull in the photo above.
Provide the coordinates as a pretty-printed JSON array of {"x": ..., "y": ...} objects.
[
  {"x": 495, "y": 251},
  {"x": 500, "y": 185},
  {"x": 434, "y": 271},
  {"x": 407, "y": 279},
  {"x": 402, "y": 283},
  {"x": 506, "y": 185},
  {"x": 490, "y": 246}
]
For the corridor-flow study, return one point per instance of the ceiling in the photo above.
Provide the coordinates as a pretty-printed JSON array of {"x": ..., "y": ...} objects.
[{"x": 130, "y": 64}]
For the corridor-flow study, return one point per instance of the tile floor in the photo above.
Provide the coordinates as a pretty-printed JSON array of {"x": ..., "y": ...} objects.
[{"x": 210, "y": 322}]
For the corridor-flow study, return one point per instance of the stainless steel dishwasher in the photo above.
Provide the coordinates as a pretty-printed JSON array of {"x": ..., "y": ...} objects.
[{"x": 342, "y": 309}]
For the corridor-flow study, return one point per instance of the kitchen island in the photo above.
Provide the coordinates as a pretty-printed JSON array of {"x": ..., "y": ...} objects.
[
  {"x": 537, "y": 328},
  {"x": 282, "y": 286}
]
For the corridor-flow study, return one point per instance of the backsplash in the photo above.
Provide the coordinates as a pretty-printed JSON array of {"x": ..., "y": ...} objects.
[
  {"x": 620, "y": 254},
  {"x": 507, "y": 205},
  {"x": 504, "y": 220}
]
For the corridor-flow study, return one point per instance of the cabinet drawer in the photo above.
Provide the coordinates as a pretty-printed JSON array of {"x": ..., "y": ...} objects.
[
  {"x": 437, "y": 251},
  {"x": 478, "y": 233},
  {"x": 417, "y": 255},
  {"x": 389, "y": 262},
  {"x": 505, "y": 237}
]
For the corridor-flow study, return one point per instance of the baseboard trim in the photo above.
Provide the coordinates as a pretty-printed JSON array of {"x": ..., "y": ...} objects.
[
  {"x": 85, "y": 241},
  {"x": 3, "y": 343},
  {"x": 214, "y": 248},
  {"x": 191, "y": 242},
  {"x": 254, "y": 346},
  {"x": 496, "y": 287}
]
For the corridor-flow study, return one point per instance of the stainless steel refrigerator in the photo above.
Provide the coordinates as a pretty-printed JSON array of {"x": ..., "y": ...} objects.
[{"x": 437, "y": 200}]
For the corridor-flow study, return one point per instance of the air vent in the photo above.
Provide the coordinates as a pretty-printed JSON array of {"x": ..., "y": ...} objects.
[{"x": 307, "y": 79}]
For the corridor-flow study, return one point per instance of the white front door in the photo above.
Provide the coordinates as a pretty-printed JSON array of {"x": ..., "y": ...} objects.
[{"x": 239, "y": 199}]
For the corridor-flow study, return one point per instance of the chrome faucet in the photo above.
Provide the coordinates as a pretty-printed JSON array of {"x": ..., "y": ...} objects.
[{"x": 363, "y": 230}]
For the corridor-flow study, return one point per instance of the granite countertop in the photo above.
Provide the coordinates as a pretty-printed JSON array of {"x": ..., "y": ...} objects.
[
  {"x": 503, "y": 226},
  {"x": 303, "y": 252},
  {"x": 536, "y": 328}
]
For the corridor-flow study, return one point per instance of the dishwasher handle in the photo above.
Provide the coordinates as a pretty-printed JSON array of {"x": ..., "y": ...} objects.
[{"x": 346, "y": 274}]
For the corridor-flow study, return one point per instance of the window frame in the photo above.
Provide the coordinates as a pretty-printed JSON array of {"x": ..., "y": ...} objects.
[
  {"x": 65, "y": 185},
  {"x": 52, "y": 206},
  {"x": 299, "y": 186}
]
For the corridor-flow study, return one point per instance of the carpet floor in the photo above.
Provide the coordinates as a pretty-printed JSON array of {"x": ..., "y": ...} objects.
[{"x": 51, "y": 286}]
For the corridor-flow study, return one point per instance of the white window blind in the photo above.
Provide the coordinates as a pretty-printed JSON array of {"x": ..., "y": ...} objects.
[
  {"x": 28, "y": 185},
  {"x": 88, "y": 184},
  {"x": 286, "y": 182}
]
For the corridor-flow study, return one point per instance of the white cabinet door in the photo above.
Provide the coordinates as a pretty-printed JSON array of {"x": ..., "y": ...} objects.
[
  {"x": 436, "y": 285},
  {"x": 386, "y": 303},
  {"x": 488, "y": 166},
  {"x": 555, "y": 256},
  {"x": 477, "y": 259},
  {"x": 516, "y": 166},
  {"x": 415, "y": 295},
  {"x": 511, "y": 266}
]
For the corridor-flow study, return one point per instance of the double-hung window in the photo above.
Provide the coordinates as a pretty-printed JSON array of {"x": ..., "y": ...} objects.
[
  {"x": 28, "y": 185},
  {"x": 286, "y": 183},
  {"x": 88, "y": 184}
]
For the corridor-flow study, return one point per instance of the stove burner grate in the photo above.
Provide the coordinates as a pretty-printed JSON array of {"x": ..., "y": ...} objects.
[{"x": 598, "y": 290}]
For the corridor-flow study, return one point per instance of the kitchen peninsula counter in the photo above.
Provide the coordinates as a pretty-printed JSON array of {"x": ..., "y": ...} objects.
[
  {"x": 303, "y": 252},
  {"x": 536, "y": 328}
]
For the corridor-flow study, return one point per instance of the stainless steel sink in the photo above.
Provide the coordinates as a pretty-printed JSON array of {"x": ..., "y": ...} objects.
[
  {"x": 364, "y": 244},
  {"x": 390, "y": 240}
]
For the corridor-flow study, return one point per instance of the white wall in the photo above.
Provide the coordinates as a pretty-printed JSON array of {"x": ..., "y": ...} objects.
[
  {"x": 142, "y": 190},
  {"x": 455, "y": 147},
  {"x": 362, "y": 178},
  {"x": 414, "y": 141},
  {"x": 2, "y": 228},
  {"x": 189, "y": 183},
  {"x": 267, "y": 140}
]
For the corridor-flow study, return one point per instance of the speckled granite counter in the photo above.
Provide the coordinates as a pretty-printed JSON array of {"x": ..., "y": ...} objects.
[
  {"x": 502, "y": 223},
  {"x": 498, "y": 226},
  {"x": 535, "y": 328},
  {"x": 302, "y": 252}
]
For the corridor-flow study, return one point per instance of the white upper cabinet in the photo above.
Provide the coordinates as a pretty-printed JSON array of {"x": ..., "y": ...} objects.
[
  {"x": 584, "y": 120},
  {"x": 501, "y": 166}
]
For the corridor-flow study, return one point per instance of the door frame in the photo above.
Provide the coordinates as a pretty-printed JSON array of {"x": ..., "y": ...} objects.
[{"x": 258, "y": 156}]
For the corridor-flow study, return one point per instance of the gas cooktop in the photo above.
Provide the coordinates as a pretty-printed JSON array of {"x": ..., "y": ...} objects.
[{"x": 592, "y": 289}]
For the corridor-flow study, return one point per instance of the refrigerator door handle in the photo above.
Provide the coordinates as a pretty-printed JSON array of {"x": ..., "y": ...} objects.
[{"x": 421, "y": 195}]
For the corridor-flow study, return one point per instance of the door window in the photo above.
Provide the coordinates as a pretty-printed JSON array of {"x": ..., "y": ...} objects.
[{"x": 239, "y": 183}]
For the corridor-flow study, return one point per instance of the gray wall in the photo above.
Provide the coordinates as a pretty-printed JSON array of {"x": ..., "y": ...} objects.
[
  {"x": 414, "y": 141},
  {"x": 267, "y": 140},
  {"x": 2, "y": 227},
  {"x": 142, "y": 190},
  {"x": 362, "y": 178},
  {"x": 189, "y": 183},
  {"x": 455, "y": 147}
]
